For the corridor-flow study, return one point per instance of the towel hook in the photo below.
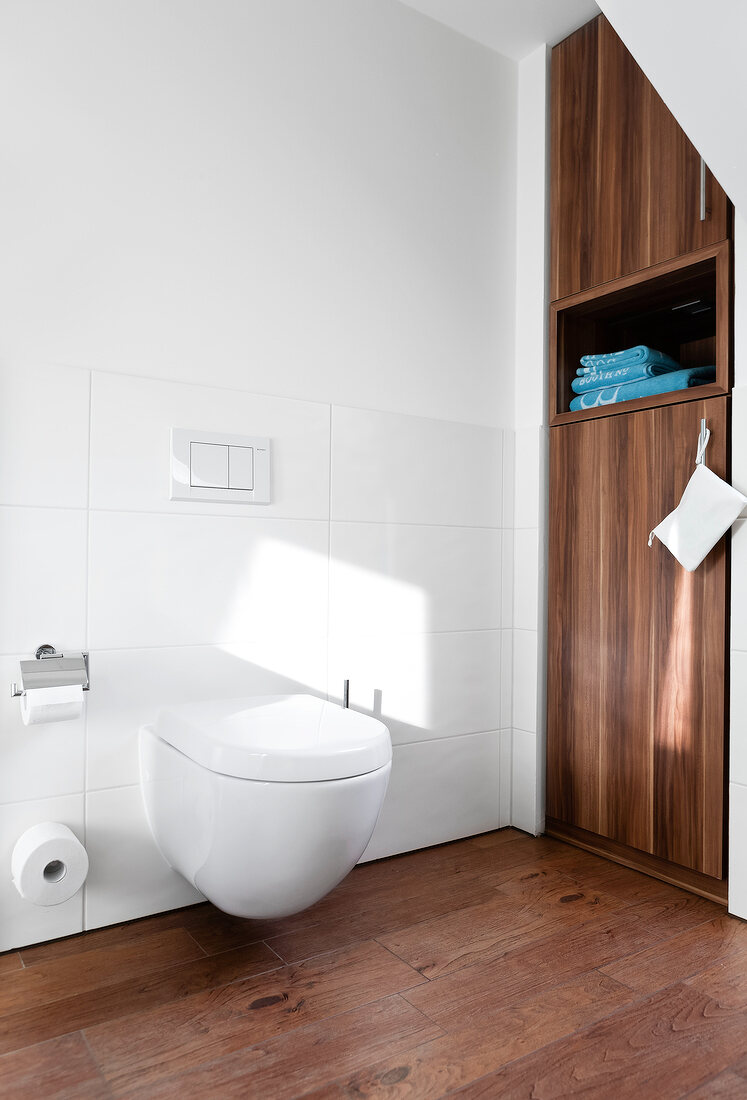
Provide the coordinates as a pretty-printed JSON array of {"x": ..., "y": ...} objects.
[{"x": 705, "y": 435}]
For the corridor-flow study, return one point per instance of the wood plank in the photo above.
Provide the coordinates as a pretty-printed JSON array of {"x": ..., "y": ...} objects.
[
  {"x": 527, "y": 908},
  {"x": 692, "y": 881},
  {"x": 139, "y": 1050},
  {"x": 436, "y": 1068},
  {"x": 11, "y": 961},
  {"x": 670, "y": 1044},
  {"x": 461, "y": 999},
  {"x": 62, "y": 1069},
  {"x": 294, "y": 1064},
  {"x": 725, "y": 981},
  {"x": 132, "y": 995},
  {"x": 689, "y": 952},
  {"x": 49, "y": 982},
  {"x": 726, "y": 1086},
  {"x": 596, "y": 873}
]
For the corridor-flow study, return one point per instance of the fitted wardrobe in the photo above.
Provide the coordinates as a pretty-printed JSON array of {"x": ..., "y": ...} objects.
[{"x": 641, "y": 254}]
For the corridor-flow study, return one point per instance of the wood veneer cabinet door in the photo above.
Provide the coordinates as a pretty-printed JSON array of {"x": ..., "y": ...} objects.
[
  {"x": 625, "y": 180},
  {"x": 637, "y": 646}
]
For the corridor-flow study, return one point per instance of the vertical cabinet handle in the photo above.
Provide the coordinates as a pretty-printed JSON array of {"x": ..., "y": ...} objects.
[{"x": 702, "y": 190}]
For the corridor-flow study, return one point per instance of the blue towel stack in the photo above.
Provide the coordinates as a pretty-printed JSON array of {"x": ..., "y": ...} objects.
[{"x": 636, "y": 372}]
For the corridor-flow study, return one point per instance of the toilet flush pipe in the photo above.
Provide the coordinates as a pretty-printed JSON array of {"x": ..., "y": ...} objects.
[{"x": 346, "y": 693}]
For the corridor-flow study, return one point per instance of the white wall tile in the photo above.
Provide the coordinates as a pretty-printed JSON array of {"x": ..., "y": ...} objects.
[
  {"x": 42, "y": 579},
  {"x": 739, "y": 438},
  {"x": 44, "y": 436},
  {"x": 22, "y": 922},
  {"x": 401, "y": 578},
  {"x": 195, "y": 580},
  {"x": 526, "y": 578},
  {"x": 528, "y": 477},
  {"x": 509, "y": 477},
  {"x": 130, "y": 460},
  {"x": 524, "y": 808},
  {"x": 40, "y": 761},
  {"x": 525, "y": 680},
  {"x": 738, "y": 710},
  {"x": 505, "y": 771},
  {"x": 422, "y": 686},
  {"x": 739, "y": 585},
  {"x": 737, "y": 850},
  {"x": 133, "y": 684},
  {"x": 507, "y": 663},
  {"x": 388, "y": 468},
  {"x": 439, "y": 791},
  {"x": 507, "y": 578},
  {"x": 128, "y": 876}
]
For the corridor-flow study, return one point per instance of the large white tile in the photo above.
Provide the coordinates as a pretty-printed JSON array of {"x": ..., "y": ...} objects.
[
  {"x": 199, "y": 580},
  {"x": 22, "y": 922},
  {"x": 507, "y": 686},
  {"x": 40, "y": 761},
  {"x": 737, "y": 850},
  {"x": 128, "y": 877},
  {"x": 739, "y": 585},
  {"x": 509, "y": 477},
  {"x": 524, "y": 806},
  {"x": 389, "y": 468},
  {"x": 130, "y": 423},
  {"x": 44, "y": 436},
  {"x": 42, "y": 578},
  {"x": 439, "y": 791},
  {"x": 528, "y": 482},
  {"x": 739, "y": 438},
  {"x": 133, "y": 684},
  {"x": 526, "y": 578},
  {"x": 422, "y": 686},
  {"x": 738, "y": 710},
  {"x": 505, "y": 771},
  {"x": 394, "y": 577},
  {"x": 525, "y": 680},
  {"x": 507, "y": 578}
]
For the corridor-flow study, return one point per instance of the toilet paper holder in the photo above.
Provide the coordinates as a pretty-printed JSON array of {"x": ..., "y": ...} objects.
[{"x": 52, "y": 669}]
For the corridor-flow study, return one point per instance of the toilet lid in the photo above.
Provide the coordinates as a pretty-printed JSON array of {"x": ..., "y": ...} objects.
[{"x": 280, "y": 738}]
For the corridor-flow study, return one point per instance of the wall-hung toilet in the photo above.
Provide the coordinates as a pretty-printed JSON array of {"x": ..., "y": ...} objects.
[{"x": 264, "y": 804}]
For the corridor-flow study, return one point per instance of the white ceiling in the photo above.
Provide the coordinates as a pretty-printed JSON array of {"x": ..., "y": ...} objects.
[{"x": 512, "y": 27}]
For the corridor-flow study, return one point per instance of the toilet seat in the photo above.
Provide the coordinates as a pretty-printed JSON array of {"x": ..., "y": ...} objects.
[{"x": 277, "y": 738}]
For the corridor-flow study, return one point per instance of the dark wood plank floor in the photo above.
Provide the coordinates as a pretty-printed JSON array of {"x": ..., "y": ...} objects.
[{"x": 500, "y": 966}]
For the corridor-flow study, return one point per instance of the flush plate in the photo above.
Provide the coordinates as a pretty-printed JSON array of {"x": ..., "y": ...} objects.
[{"x": 218, "y": 468}]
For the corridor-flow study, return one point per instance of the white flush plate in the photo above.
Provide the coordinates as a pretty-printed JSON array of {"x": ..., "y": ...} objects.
[{"x": 209, "y": 466}]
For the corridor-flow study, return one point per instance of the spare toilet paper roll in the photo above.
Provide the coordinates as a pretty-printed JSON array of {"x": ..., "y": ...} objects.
[
  {"x": 52, "y": 704},
  {"x": 49, "y": 864}
]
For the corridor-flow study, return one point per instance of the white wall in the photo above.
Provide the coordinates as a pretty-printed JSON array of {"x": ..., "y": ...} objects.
[
  {"x": 285, "y": 219},
  {"x": 530, "y": 479}
]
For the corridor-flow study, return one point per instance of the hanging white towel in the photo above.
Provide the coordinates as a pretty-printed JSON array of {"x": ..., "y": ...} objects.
[{"x": 708, "y": 508}]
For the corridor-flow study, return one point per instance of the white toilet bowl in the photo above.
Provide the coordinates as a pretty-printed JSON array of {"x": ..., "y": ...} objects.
[{"x": 264, "y": 804}]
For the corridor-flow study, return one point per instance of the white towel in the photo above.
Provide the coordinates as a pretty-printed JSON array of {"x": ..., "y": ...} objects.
[{"x": 708, "y": 508}]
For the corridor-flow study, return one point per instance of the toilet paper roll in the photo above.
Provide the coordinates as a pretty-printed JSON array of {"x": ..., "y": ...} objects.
[
  {"x": 52, "y": 704},
  {"x": 49, "y": 864}
]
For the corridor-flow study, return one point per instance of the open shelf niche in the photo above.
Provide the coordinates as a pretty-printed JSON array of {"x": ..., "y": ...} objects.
[{"x": 681, "y": 307}]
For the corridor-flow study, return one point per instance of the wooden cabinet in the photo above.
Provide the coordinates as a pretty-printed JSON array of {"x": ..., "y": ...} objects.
[
  {"x": 637, "y": 646},
  {"x": 625, "y": 180}
]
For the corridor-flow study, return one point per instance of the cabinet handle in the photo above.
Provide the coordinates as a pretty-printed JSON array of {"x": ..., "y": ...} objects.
[{"x": 702, "y": 190}]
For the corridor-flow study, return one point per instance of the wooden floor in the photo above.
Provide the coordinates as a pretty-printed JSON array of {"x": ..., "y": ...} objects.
[{"x": 501, "y": 966}]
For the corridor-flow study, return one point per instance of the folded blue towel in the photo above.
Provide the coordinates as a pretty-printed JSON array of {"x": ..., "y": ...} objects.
[
  {"x": 638, "y": 356},
  {"x": 644, "y": 387},
  {"x": 599, "y": 379}
]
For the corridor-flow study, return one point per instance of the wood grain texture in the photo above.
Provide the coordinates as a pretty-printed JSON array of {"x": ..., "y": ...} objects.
[
  {"x": 635, "y": 741},
  {"x": 364, "y": 1022},
  {"x": 294, "y": 1064},
  {"x": 663, "y": 1048},
  {"x": 625, "y": 180},
  {"x": 138, "y": 1051}
]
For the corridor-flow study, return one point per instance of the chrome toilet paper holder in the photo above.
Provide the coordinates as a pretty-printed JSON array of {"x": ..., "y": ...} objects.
[{"x": 52, "y": 669}]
